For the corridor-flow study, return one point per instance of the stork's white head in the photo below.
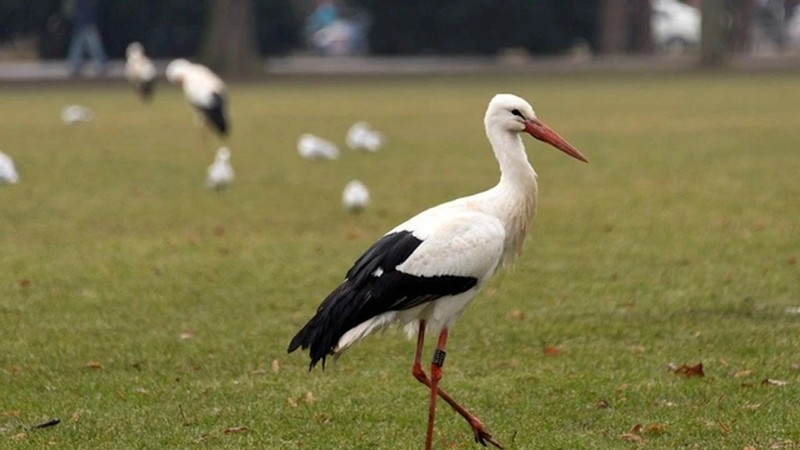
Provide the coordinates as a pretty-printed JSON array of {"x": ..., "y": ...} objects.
[
  {"x": 176, "y": 70},
  {"x": 513, "y": 114},
  {"x": 134, "y": 48}
]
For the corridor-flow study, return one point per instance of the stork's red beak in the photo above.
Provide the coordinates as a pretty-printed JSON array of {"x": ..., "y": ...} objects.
[{"x": 542, "y": 132}]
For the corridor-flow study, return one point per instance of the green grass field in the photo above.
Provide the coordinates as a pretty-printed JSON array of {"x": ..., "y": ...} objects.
[{"x": 144, "y": 311}]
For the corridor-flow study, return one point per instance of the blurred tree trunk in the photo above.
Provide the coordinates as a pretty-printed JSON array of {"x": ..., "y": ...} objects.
[
  {"x": 641, "y": 36},
  {"x": 229, "y": 45},
  {"x": 741, "y": 16},
  {"x": 712, "y": 48},
  {"x": 625, "y": 27},
  {"x": 613, "y": 26}
]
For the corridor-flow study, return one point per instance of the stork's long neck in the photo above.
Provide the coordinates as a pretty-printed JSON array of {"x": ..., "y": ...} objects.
[{"x": 515, "y": 201}]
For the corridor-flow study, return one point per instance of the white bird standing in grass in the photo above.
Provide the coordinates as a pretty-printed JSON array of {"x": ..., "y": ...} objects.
[
  {"x": 423, "y": 273},
  {"x": 8, "y": 173},
  {"x": 316, "y": 148},
  {"x": 360, "y": 136},
  {"x": 140, "y": 71},
  {"x": 220, "y": 172},
  {"x": 204, "y": 91},
  {"x": 355, "y": 197}
]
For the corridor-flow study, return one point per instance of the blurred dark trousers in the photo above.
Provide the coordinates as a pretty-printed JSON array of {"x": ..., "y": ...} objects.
[{"x": 86, "y": 37}]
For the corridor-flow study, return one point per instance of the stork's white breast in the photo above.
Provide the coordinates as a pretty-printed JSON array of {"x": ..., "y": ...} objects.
[{"x": 457, "y": 242}]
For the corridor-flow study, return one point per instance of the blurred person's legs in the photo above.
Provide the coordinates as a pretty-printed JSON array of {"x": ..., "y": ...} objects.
[{"x": 86, "y": 38}]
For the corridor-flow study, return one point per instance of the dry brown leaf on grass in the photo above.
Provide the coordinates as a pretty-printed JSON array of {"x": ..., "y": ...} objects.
[
  {"x": 275, "y": 366},
  {"x": 741, "y": 373},
  {"x": 354, "y": 234},
  {"x": 688, "y": 371},
  {"x": 309, "y": 398},
  {"x": 655, "y": 428},
  {"x": 292, "y": 402},
  {"x": 631, "y": 437},
  {"x": 76, "y": 416},
  {"x": 186, "y": 335},
  {"x": 232, "y": 430},
  {"x": 635, "y": 433},
  {"x": 723, "y": 427},
  {"x": 205, "y": 437},
  {"x": 637, "y": 348},
  {"x": 94, "y": 365},
  {"x": 551, "y": 351},
  {"x": 774, "y": 382},
  {"x": 516, "y": 314}
]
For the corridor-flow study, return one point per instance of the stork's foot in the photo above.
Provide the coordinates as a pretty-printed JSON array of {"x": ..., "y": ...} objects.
[{"x": 482, "y": 436}]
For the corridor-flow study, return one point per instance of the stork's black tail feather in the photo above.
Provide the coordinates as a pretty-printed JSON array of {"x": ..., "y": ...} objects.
[
  {"x": 146, "y": 89},
  {"x": 215, "y": 114},
  {"x": 333, "y": 318}
]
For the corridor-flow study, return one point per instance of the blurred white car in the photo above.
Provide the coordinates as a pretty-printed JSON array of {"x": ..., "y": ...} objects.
[{"x": 675, "y": 25}]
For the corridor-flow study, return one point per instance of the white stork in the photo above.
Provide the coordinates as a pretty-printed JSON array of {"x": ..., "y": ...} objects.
[
  {"x": 8, "y": 173},
  {"x": 140, "y": 71},
  {"x": 220, "y": 173},
  {"x": 423, "y": 273},
  {"x": 204, "y": 90}
]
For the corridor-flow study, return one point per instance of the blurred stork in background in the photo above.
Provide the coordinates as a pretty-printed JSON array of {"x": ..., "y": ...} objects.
[
  {"x": 140, "y": 71},
  {"x": 205, "y": 92}
]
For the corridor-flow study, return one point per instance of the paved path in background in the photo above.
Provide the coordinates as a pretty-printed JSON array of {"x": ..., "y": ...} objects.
[{"x": 25, "y": 71}]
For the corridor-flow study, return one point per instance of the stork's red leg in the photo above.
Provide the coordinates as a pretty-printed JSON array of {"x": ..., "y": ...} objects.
[
  {"x": 436, "y": 375},
  {"x": 482, "y": 435}
]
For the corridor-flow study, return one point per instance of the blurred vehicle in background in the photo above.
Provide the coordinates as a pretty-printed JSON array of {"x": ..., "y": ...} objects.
[
  {"x": 675, "y": 26},
  {"x": 334, "y": 31}
]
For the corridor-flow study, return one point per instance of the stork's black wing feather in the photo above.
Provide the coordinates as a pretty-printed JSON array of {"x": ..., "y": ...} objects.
[
  {"x": 214, "y": 113},
  {"x": 373, "y": 286},
  {"x": 146, "y": 89}
]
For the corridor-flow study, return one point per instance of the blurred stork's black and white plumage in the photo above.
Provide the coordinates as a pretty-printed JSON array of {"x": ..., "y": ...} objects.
[
  {"x": 204, "y": 91},
  {"x": 140, "y": 71},
  {"x": 423, "y": 273}
]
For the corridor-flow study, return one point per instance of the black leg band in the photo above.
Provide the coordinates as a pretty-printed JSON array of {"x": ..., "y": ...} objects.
[{"x": 438, "y": 357}]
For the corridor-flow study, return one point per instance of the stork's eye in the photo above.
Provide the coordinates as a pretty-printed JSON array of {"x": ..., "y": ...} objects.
[{"x": 517, "y": 113}]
